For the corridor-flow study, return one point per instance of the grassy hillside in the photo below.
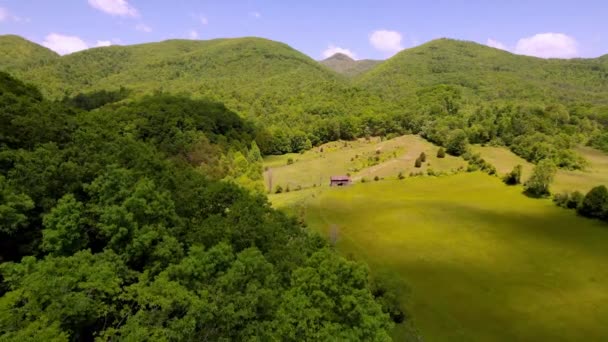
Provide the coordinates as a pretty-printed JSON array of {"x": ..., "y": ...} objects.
[
  {"x": 361, "y": 159},
  {"x": 472, "y": 259},
  {"x": 345, "y": 65},
  {"x": 18, "y": 54},
  {"x": 488, "y": 74}
]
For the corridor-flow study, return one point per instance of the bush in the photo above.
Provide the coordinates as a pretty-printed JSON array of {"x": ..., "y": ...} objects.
[
  {"x": 418, "y": 162},
  {"x": 441, "y": 153},
  {"x": 287, "y": 188},
  {"x": 575, "y": 200},
  {"x": 400, "y": 175},
  {"x": 422, "y": 157},
  {"x": 363, "y": 180},
  {"x": 278, "y": 189},
  {"x": 289, "y": 161},
  {"x": 595, "y": 203},
  {"x": 376, "y": 178},
  {"x": 513, "y": 177}
]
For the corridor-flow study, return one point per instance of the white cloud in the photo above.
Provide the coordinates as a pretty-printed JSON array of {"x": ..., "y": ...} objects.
[
  {"x": 103, "y": 43},
  {"x": 332, "y": 50},
  {"x": 387, "y": 41},
  {"x": 255, "y": 14},
  {"x": 5, "y": 15},
  {"x": 496, "y": 44},
  {"x": 143, "y": 28},
  {"x": 548, "y": 45},
  {"x": 64, "y": 44},
  {"x": 115, "y": 7},
  {"x": 192, "y": 34}
]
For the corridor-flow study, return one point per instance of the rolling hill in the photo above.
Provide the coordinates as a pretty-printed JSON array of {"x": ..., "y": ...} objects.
[
  {"x": 485, "y": 73},
  {"x": 345, "y": 65}
]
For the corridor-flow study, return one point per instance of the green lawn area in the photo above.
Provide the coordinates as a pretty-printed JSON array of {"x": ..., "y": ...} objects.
[
  {"x": 470, "y": 258},
  {"x": 595, "y": 174},
  {"x": 313, "y": 168}
]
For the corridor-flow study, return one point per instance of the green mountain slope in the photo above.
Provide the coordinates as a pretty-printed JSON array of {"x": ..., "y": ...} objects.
[
  {"x": 345, "y": 65},
  {"x": 18, "y": 54},
  {"x": 254, "y": 76},
  {"x": 488, "y": 74}
]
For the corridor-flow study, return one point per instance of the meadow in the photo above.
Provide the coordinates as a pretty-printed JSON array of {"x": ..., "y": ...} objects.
[
  {"x": 360, "y": 158},
  {"x": 469, "y": 258},
  {"x": 596, "y": 172}
]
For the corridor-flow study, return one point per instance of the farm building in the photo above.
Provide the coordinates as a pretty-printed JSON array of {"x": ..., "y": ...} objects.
[{"x": 339, "y": 180}]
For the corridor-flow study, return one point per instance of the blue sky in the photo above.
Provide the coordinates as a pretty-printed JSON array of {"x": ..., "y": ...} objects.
[{"x": 365, "y": 29}]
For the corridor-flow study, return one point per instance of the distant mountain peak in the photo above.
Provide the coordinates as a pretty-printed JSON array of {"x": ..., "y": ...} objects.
[{"x": 340, "y": 57}]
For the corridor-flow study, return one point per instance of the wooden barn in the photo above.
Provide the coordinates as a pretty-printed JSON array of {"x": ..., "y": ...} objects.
[{"x": 339, "y": 181}]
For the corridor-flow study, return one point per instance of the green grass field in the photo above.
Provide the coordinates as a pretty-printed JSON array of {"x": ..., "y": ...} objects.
[
  {"x": 313, "y": 168},
  {"x": 470, "y": 258},
  {"x": 595, "y": 174}
]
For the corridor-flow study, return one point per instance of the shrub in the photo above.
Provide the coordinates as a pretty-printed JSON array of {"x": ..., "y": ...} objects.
[
  {"x": 400, "y": 175},
  {"x": 422, "y": 157},
  {"x": 595, "y": 203},
  {"x": 418, "y": 162},
  {"x": 287, "y": 188},
  {"x": 289, "y": 161},
  {"x": 441, "y": 153},
  {"x": 561, "y": 200},
  {"x": 513, "y": 177},
  {"x": 431, "y": 172},
  {"x": 278, "y": 189},
  {"x": 376, "y": 178},
  {"x": 575, "y": 200},
  {"x": 363, "y": 180}
]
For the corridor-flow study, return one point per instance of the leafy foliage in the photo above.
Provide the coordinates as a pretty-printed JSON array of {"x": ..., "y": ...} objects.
[
  {"x": 128, "y": 222},
  {"x": 542, "y": 176}
]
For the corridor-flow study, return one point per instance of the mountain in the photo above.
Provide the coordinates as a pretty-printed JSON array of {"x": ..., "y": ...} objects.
[
  {"x": 256, "y": 77},
  {"x": 345, "y": 65},
  {"x": 18, "y": 54},
  {"x": 485, "y": 73}
]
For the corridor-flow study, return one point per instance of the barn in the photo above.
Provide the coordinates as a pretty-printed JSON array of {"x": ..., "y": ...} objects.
[{"x": 339, "y": 180}]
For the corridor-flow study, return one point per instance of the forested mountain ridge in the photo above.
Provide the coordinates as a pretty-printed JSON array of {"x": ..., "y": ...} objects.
[
  {"x": 434, "y": 89},
  {"x": 345, "y": 65},
  {"x": 484, "y": 73},
  {"x": 18, "y": 54},
  {"x": 254, "y": 76}
]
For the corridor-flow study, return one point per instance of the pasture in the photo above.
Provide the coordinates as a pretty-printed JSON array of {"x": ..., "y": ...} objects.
[
  {"x": 470, "y": 258},
  {"x": 361, "y": 159}
]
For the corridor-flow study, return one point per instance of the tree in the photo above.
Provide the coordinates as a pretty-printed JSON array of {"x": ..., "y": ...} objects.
[
  {"x": 422, "y": 157},
  {"x": 457, "y": 142},
  {"x": 13, "y": 208},
  {"x": 418, "y": 162},
  {"x": 441, "y": 153},
  {"x": 513, "y": 177},
  {"x": 542, "y": 177},
  {"x": 595, "y": 203},
  {"x": 64, "y": 232}
]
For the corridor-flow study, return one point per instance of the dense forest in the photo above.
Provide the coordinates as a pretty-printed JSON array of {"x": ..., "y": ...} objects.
[
  {"x": 538, "y": 108},
  {"x": 115, "y": 225},
  {"x": 136, "y": 173}
]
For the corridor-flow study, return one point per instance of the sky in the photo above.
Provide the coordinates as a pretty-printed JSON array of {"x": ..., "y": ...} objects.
[{"x": 362, "y": 29}]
